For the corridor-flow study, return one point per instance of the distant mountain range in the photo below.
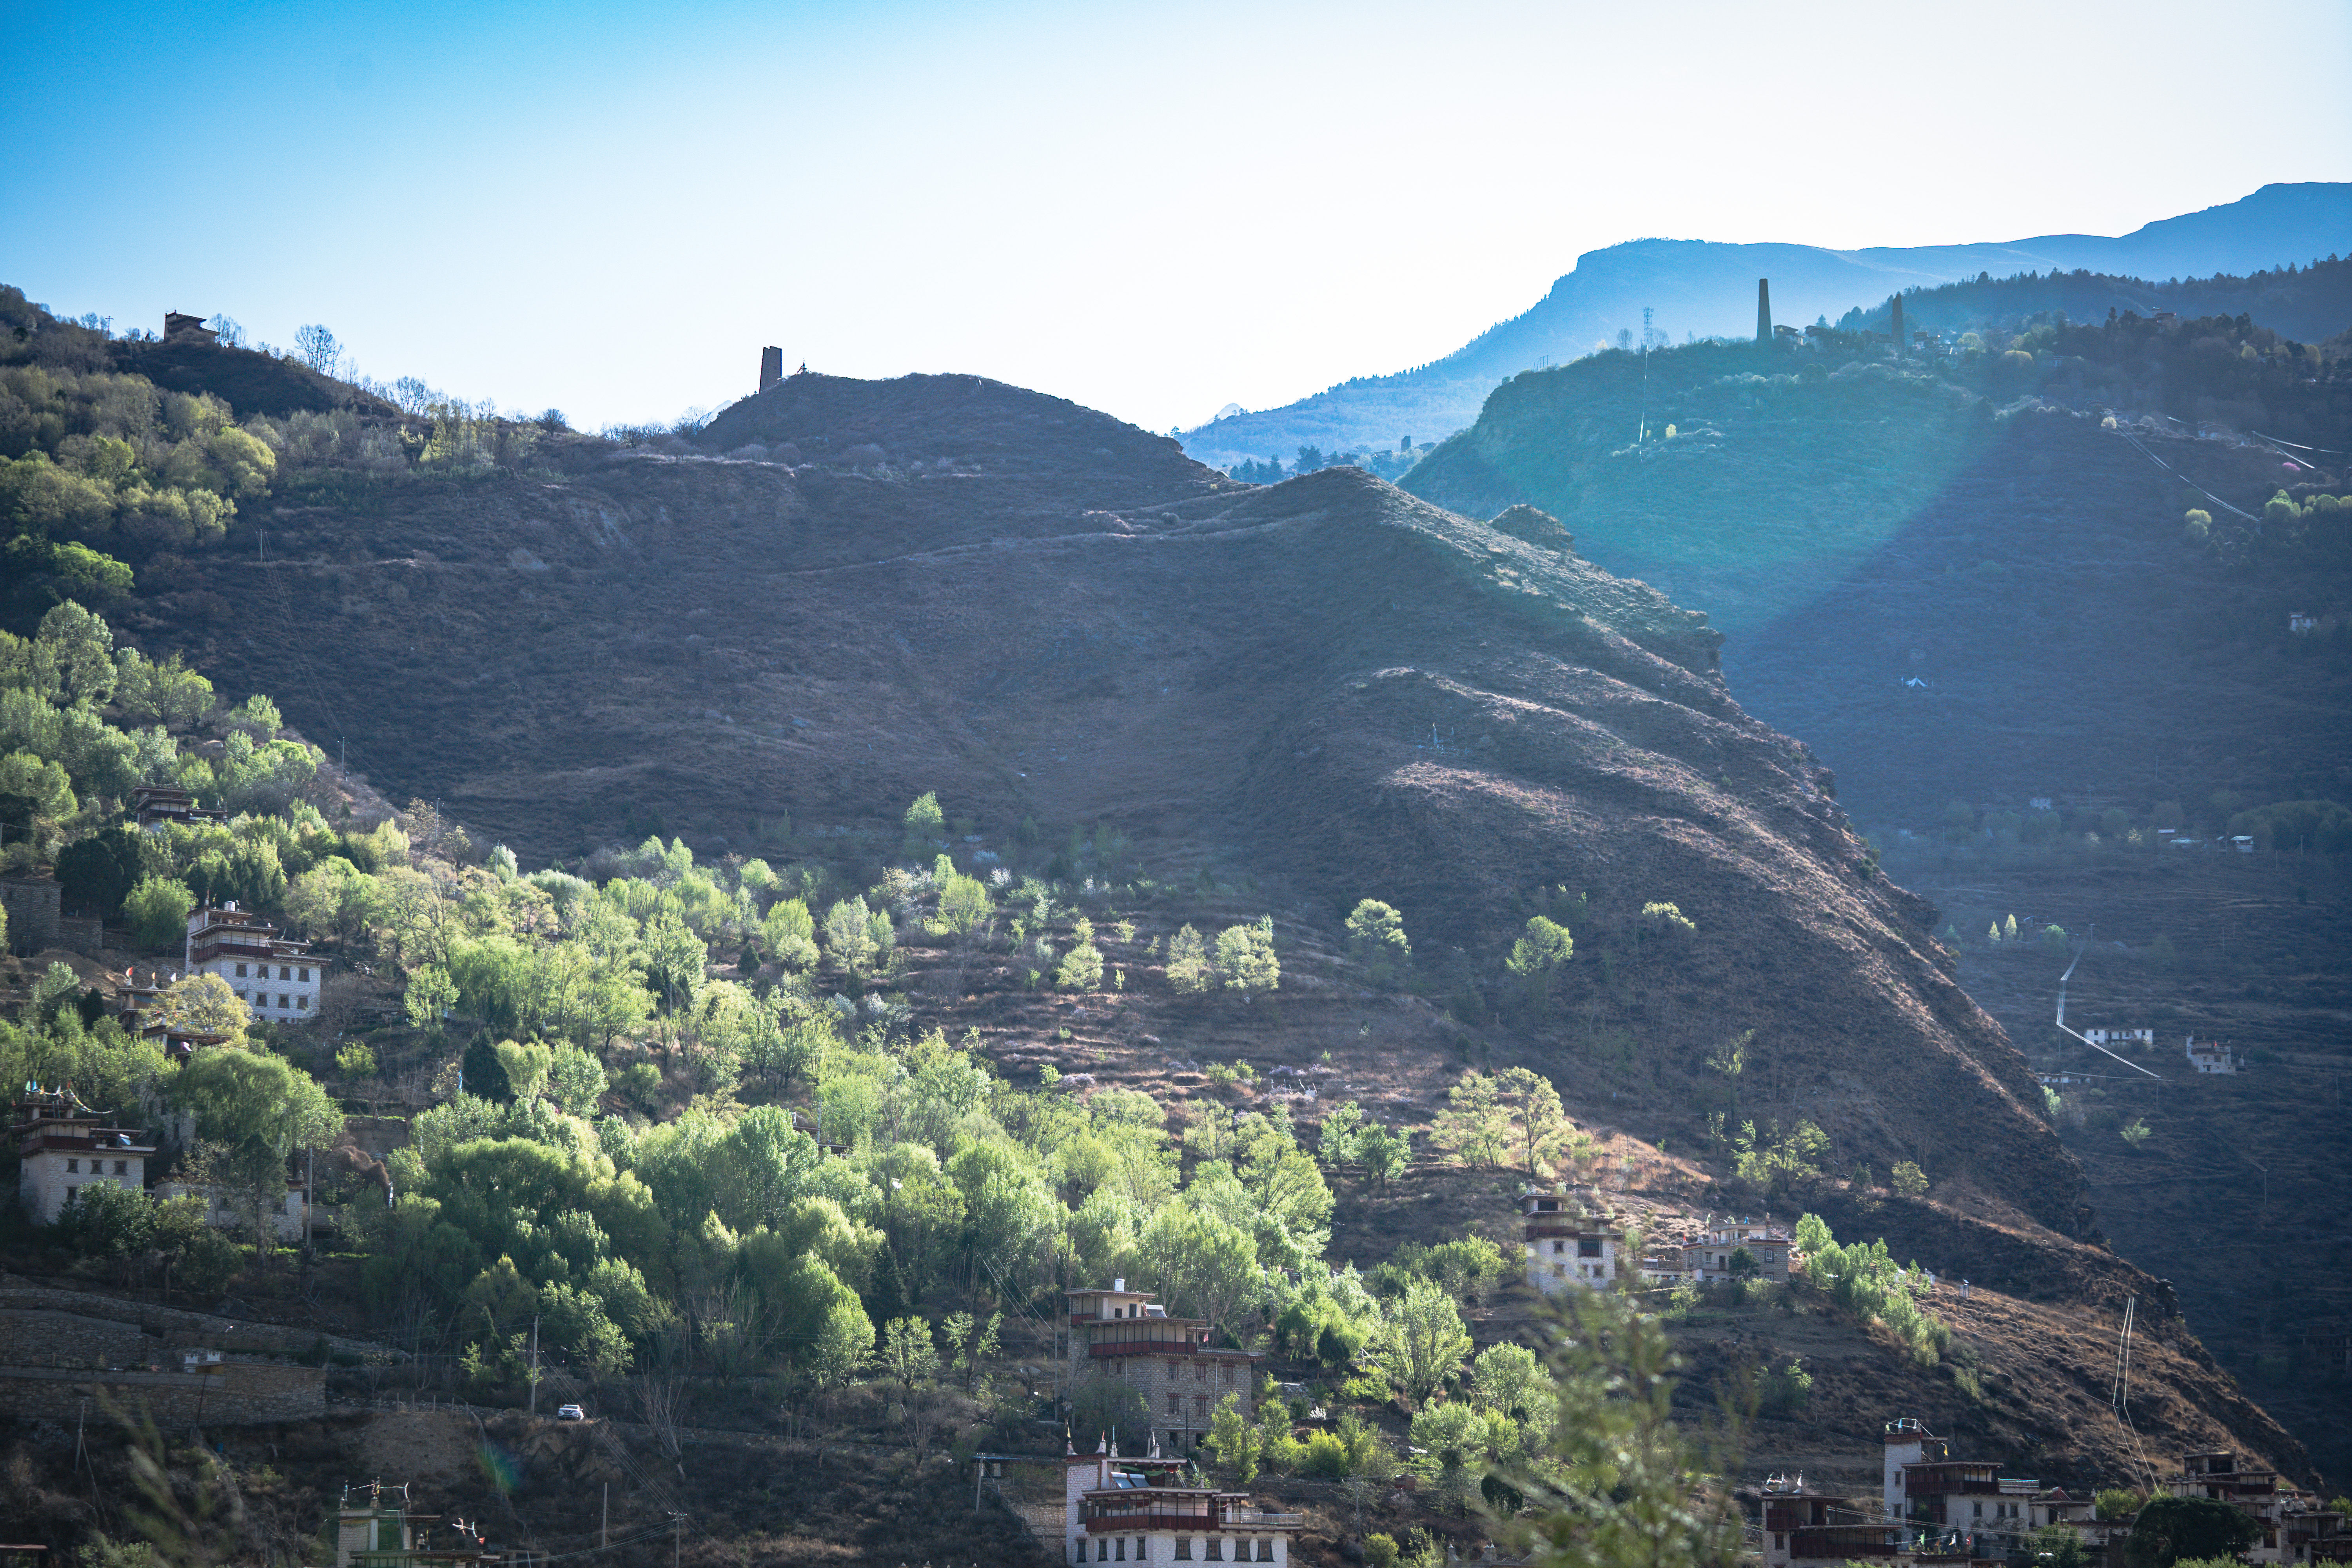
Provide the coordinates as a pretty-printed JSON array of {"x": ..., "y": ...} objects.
[{"x": 1703, "y": 288}]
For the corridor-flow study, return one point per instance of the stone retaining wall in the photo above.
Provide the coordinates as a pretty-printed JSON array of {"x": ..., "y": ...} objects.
[
  {"x": 233, "y": 1393},
  {"x": 27, "y": 1313}
]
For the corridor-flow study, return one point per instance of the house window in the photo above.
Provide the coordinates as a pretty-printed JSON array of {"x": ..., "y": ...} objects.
[
  {"x": 1200, "y": 1372},
  {"x": 1216, "y": 1549},
  {"x": 1120, "y": 1555},
  {"x": 240, "y": 995},
  {"x": 1225, "y": 1374},
  {"x": 1175, "y": 1404},
  {"x": 240, "y": 972},
  {"x": 1102, "y": 1552},
  {"x": 1143, "y": 1548},
  {"x": 1560, "y": 1271},
  {"x": 1172, "y": 1365},
  {"x": 1558, "y": 1247},
  {"x": 1587, "y": 1247},
  {"x": 69, "y": 1192},
  {"x": 1976, "y": 1511},
  {"x": 1183, "y": 1549},
  {"x": 1266, "y": 1551},
  {"x": 1200, "y": 1407},
  {"x": 306, "y": 973},
  {"x": 283, "y": 1004},
  {"x": 284, "y": 971},
  {"x": 302, "y": 1002},
  {"x": 121, "y": 1167},
  {"x": 72, "y": 1166}
]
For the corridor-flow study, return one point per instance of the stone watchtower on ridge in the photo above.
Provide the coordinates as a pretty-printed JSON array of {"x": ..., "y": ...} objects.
[
  {"x": 772, "y": 366},
  {"x": 1763, "y": 310}
]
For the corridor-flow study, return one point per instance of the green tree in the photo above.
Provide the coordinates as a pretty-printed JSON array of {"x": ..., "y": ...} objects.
[
  {"x": 1082, "y": 968},
  {"x": 1908, "y": 1179},
  {"x": 1245, "y": 958},
  {"x": 964, "y": 905},
  {"x": 2057, "y": 1546},
  {"x": 1376, "y": 933},
  {"x": 675, "y": 959},
  {"x": 2188, "y": 1528},
  {"x": 157, "y": 911},
  {"x": 926, "y": 825},
  {"x": 1386, "y": 1153},
  {"x": 909, "y": 1355},
  {"x": 849, "y": 934},
  {"x": 82, "y": 647},
  {"x": 1475, "y": 1121},
  {"x": 789, "y": 933},
  {"x": 1341, "y": 1135},
  {"x": 202, "y": 1004},
  {"x": 1509, "y": 1380},
  {"x": 1233, "y": 1440},
  {"x": 256, "y": 1111},
  {"x": 1537, "y": 957},
  {"x": 2115, "y": 1502},
  {"x": 1188, "y": 972},
  {"x": 1421, "y": 1342},
  {"x": 1535, "y": 1105},
  {"x": 1618, "y": 1488},
  {"x": 100, "y": 871},
  {"x": 431, "y": 994}
]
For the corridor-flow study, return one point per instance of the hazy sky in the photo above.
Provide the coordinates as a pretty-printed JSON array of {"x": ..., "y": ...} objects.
[{"x": 1153, "y": 209}]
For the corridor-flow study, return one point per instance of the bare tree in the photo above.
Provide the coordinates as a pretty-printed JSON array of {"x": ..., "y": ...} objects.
[{"x": 315, "y": 346}]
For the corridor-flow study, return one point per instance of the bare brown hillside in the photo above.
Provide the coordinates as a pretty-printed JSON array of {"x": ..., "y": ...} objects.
[{"x": 1045, "y": 615}]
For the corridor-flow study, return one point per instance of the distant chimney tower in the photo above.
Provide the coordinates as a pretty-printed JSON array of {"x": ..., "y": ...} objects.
[
  {"x": 1898, "y": 323},
  {"x": 771, "y": 367},
  {"x": 1763, "y": 310}
]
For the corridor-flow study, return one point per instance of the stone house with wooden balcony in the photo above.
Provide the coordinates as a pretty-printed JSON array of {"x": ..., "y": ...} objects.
[
  {"x": 1568, "y": 1243},
  {"x": 1125, "y": 1335},
  {"x": 1141, "y": 1511},
  {"x": 63, "y": 1147}
]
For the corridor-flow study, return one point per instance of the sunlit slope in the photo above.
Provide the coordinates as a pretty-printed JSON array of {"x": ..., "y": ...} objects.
[{"x": 1770, "y": 487}]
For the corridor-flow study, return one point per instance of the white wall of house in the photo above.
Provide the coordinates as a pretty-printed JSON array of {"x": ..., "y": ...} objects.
[{"x": 48, "y": 1181}]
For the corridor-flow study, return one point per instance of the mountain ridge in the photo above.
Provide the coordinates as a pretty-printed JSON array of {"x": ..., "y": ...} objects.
[{"x": 1709, "y": 288}]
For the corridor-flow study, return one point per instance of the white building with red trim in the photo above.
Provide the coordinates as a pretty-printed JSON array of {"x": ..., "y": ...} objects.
[
  {"x": 1141, "y": 1511},
  {"x": 273, "y": 975}
]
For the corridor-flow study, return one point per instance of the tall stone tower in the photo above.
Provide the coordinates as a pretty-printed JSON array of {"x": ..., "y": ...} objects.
[
  {"x": 1898, "y": 323},
  {"x": 1763, "y": 310},
  {"x": 771, "y": 367}
]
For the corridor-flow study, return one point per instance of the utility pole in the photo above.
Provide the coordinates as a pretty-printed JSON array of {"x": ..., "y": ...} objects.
[
  {"x": 604, "y": 1531},
  {"x": 534, "y": 1365}
]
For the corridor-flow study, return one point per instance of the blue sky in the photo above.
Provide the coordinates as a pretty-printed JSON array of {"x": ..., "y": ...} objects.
[{"x": 1152, "y": 209}]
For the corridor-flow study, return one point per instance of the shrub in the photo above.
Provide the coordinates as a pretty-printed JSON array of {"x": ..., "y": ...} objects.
[
  {"x": 1786, "y": 1392},
  {"x": 355, "y": 1060},
  {"x": 157, "y": 911},
  {"x": 1082, "y": 969},
  {"x": 1245, "y": 958},
  {"x": 1324, "y": 1457},
  {"x": 1188, "y": 962},
  {"x": 1908, "y": 1179},
  {"x": 1376, "y": 933}
]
